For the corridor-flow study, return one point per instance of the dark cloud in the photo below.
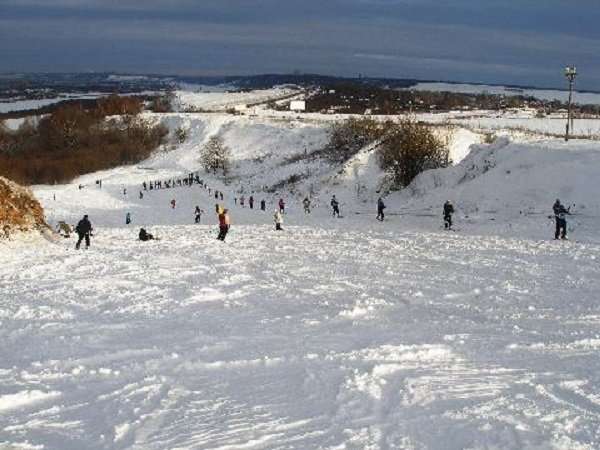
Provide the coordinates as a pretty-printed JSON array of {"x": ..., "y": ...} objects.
[{"x": 520, "y": 41}]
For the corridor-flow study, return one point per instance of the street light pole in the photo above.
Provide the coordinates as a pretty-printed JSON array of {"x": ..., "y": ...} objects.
[{"x": 570, "y": 73}]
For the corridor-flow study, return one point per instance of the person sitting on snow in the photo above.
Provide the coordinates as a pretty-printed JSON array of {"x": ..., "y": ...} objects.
[{"x": 144, "y": 235}]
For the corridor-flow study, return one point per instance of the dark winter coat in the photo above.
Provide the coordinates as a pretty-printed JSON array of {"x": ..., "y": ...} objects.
[
  {"x": 559, "y": 211},
  {"x": 448, "y": 209},
  {"x": 84, "y": 226}
]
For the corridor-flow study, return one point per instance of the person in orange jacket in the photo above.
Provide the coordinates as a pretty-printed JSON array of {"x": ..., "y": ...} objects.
[{"x": 224, "y": 224}]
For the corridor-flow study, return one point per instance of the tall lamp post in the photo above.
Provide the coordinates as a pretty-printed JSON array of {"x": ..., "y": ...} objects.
[{"x": 570, "y": 73}]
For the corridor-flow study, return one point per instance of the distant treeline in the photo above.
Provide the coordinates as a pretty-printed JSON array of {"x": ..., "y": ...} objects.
[
  {"x": 75, "y": 139},
  {"x": 358, "y": 98}
]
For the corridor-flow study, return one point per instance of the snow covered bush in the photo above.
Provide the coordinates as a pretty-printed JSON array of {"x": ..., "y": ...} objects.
[
  {"x": 409, "y": 148},
  {"x": 347, "y": 138},
  {"x": 215, "y": 155}
]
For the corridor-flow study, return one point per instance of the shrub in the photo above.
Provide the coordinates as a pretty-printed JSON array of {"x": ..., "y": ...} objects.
[
  {"x": 215, "y": 155},
  {"x": 163, "y": 103},
  {"x": 410, "y": 147},
  {"x": 181, "y": 135},
  {"x": 347, "y": 138}
]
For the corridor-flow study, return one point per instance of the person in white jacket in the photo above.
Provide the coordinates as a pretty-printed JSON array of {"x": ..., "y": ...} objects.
[{"x": 278, "y": 217}]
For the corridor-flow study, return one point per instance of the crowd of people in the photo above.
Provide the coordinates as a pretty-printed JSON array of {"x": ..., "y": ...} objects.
[{"x": 84, "y": 227}]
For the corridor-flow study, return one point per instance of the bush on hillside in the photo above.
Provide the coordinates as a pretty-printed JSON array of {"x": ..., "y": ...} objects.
[
  {"x": 215, "y": 155},
  {"x": 409, "y": 148},
  {"x": 19, "y": 210},
  {"x": 348, "y": 137},
  {"x": 163, "y": 103}
]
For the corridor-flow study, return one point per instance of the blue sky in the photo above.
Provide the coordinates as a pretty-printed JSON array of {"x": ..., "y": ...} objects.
[{"x": 509, "y": 41}]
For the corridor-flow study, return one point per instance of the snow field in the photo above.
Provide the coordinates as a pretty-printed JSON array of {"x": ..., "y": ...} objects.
[
  {"x": 332, "y": 334},
  {"x": 312, "y": 338}
]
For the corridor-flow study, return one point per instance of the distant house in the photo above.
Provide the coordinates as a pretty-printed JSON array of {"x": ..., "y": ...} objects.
[{"x": 298, "y": 105}]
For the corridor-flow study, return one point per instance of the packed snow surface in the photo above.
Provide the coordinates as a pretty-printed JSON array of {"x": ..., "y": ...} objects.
[{"x": 331, "y": 334}]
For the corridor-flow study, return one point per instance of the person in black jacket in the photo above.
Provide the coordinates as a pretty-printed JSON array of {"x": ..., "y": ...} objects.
[
  {"x": 83, "y": 230},
  {"x": 448, "y": 211},
  {"x": 144, "y": 235},
  {"x": 380, "y": 208},
  {"x": 560, "y": 215}
]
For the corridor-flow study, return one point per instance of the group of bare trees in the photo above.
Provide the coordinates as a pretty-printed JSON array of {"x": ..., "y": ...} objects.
[{"x": 74, "y": 140}]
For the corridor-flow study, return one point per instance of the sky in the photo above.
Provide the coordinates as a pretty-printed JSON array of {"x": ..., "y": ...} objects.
[{"x": 523, "y": 42}]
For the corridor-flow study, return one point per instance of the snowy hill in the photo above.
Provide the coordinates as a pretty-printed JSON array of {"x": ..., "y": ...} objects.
[{"x": 331, "y": 334}]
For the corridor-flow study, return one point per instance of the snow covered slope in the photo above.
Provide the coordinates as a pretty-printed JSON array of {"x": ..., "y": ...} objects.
[{"x": 332, "y": 334}]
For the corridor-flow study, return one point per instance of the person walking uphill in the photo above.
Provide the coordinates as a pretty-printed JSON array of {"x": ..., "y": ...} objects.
[
  {"x": 380, "y": 208},
  {"x": 335, "y": 205},
  {"x": 83, "y": 230},
  {"x": 448, "y": 211},
  {"x": 560, "y": 215},
  {"x": 278, "y": 217},
  {"x": 224, "y": 224}
]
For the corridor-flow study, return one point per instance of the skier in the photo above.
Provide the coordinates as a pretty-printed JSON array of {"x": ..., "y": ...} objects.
[
  {"x": 141, "y": 195},
  {"x": 144, "y": 235},
  {"x": 124, "y": 191},
  {"x": 127, "y": 218},
  {"x": 306, "y": 203},
  {"x": 263, "y": 205},
  {"x": 242, "y": 201},
  {"x": 380, "y": 208},
  {"x": 560, "y": 215},
  {"x": 278, "y": 217},
  {"x": 173, "y": 203},
  {"x": 224, "y": 224},
  {"x": 197, "y": 214},
  {"x": 235, "y": 201},
  {"x": 281, "y": 206},
  {"x": 448, "y": 211},
  {"x": 335, "y": 205},
  {"x": 251, "y": 202},
  {"x": 84, "y": 231},
  {"x": 221, "y": 195},
  {"x": 145, "y": 186}
]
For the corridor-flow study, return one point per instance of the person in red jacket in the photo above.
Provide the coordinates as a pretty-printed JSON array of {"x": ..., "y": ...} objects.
[{"x": 224, "y": 224}]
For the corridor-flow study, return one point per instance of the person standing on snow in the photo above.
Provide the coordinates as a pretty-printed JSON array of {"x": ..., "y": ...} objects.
[
  {"x": 251, "y": 202},
  {"x": 335, "y": 205},
  {"x": 83, "y": 230},
  {"x": 380, "y": 208},
  {"x": 173, "y": 203},
  {"x": 560, "y": 215},
  {"x": 127, "y": 218},
  {"x": 448, "y": 211},
  {"x": 197, "y": 214},
  {"x": 224, "y": 224},
  {"x": 263, "y": 205},
  {"x": 306, "y": 203},
  {"x": 242, "y": 201},
  {"x": 281, "y": 206},
  {"x": 278, "y": 217}
]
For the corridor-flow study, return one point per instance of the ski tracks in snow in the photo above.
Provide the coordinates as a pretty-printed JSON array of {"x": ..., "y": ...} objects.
[{"x": 309, "y": 338}]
